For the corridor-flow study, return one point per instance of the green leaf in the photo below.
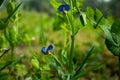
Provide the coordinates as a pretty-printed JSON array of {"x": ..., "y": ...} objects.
[
  {"x": 78, "y": 72},
  {"x": 90, "y": 16},
  {"x": 83, "y": 19},
  {"x": 79, "y": 4},
  {"x": 11, "y": 35},
  {"x": 90, "y": 13},
  {"x": 63, "y": 57},
  {"x": 57, "y": 64},
  {"x": 35, "y": 63},
  {"x": 25, "y": 38},
  {"x": 95, "y": 26},
  {"x": 116, "y": 27},
  {"x": 21, "y": 69},
  {"x": 114, "y": 47},
  {"x": 16, "y": 61},
  {"x": 98, "y": 17},
  {"x": 3, "y": 24},
  {"x": 10, "y": 7},
  {"x": 98, "y": 14},
  {"x": 5, "y": 51},
  {"x": 1, "y": 1},
  {"x": 86, "y": 71},
  {"x": 13, "y": 12},
  {"x": 4, "y": 65},
  {"x": 107, "y": 33}
]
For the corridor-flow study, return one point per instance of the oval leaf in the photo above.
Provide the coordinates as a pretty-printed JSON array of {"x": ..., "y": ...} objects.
[{"x": 114, "y": 47}]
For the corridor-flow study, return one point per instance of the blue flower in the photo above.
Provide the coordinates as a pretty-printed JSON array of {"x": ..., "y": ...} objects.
[
  {"x": 63, "y": 8},
  {"x": 45, "y": 50}
]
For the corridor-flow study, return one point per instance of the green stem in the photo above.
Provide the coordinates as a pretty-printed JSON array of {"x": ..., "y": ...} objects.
[
  {"x": 119, "y": 68},
  {"x": 70, "y": 1},
  {"x": 12, "y": 52},
  {"x": 71, "y": 53},
  {"x": 65, "y": 37},
  {"x": 68, "y": 77},
  {"x": 72, "y": 43},
  {"x": 70, "y": 23},
  {"x": 5, "y": 66}
]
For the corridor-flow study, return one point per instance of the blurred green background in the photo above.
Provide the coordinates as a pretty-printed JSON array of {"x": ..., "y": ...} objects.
[
  {"x": 108, "y": 7},
  {"x": 36, "y": 18}
]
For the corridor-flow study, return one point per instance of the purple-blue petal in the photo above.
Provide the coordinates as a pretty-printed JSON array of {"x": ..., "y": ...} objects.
[
  {"x": 50, "y": 47},
  {"x": 63, "y": 7},
  {"x": 44, "y": 50},
  {"x": 67, "y": 7},
  {"x": 60, "y": 8}
]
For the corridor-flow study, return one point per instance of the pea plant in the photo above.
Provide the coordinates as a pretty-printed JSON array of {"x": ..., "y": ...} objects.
[
  {"x": 9, "y": 38},
  {"x": 112, "y": 40},
  {"x": 66, "y": 13},
  {"x": 54, "y": 62}
]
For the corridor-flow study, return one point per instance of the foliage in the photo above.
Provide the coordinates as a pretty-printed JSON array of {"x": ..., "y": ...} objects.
[
  {"x": 65, "y": 57},
  {"x": 68, "y": 11},
  {"x": 114, "y": 42},
  {"x": 9, "y": 37}
]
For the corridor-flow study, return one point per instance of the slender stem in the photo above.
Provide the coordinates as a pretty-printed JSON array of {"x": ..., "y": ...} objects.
[
  {"x": 6, "y": 51},
  {"x": 70, "y": 23},
  {"x": 68, "y": 77},
  {"x": 119, "y": 68},
  {"x": 71, "y": 53},
  {"x": 12, "y": 52},
  {"x": 72, "y": 43},
  {"x": 5, "y": 66},
  {"x": 65, "y": 37}
]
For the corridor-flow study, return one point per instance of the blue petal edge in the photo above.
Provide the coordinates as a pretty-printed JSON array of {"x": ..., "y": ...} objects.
[
  {"x": 44, "y": 50},
  {"x": 67, "y": 7},
  {"x": 60, "y": 8},
  {"x": 50, "y": 47}
]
